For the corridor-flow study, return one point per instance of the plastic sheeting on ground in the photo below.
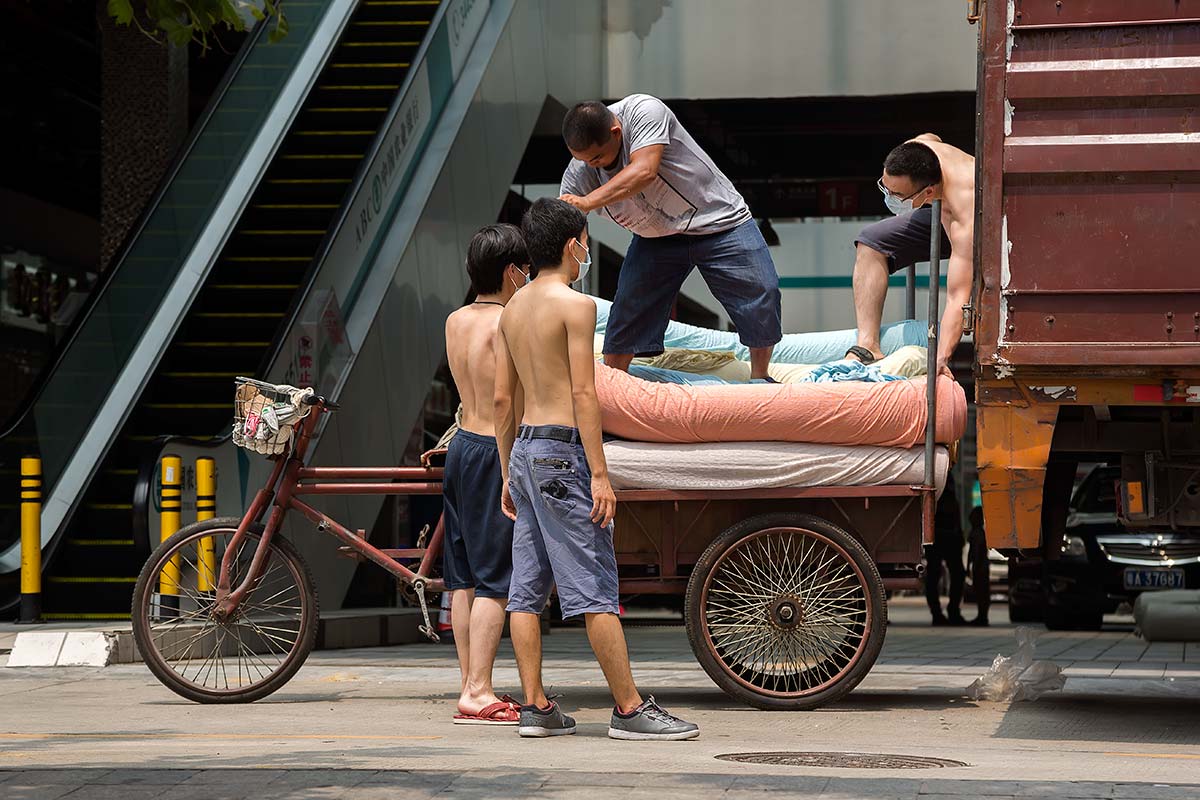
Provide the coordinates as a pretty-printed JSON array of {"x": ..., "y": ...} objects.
[
  {"x": 890, "y": 414},
  {"x": 1018, "y": 677},
  {"x": 796, "y": 348}
]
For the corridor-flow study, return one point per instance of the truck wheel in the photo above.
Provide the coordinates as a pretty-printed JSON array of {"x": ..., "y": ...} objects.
[
  {"x": 1060, "y": 619},
  {"x": 1023, "y": 612},
  {"x": 786, "y": 611}
]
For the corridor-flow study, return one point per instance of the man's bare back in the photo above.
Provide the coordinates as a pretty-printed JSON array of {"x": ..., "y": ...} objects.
[
  {"x": 546, "y": 369},
  {"x": 958, "y": 185},
  {"x": 471, "y": 333},
  {"x": 537, "y": 327}
]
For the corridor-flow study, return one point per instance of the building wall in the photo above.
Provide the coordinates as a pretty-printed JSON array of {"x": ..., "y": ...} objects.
[{"x": 700, "y": 49}]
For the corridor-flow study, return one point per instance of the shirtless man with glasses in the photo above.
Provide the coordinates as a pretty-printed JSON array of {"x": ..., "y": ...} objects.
[{"x": 915, "y": 174}]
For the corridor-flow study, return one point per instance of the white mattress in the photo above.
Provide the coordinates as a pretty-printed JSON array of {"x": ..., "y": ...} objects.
[{"x": 756, "y": 465}]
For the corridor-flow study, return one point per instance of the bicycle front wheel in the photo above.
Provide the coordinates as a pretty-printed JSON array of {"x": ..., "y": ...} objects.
[{"x": 244, "y": 657}]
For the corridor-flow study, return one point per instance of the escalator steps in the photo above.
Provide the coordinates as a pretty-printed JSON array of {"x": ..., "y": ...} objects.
[{"x": 249, "y": 292}]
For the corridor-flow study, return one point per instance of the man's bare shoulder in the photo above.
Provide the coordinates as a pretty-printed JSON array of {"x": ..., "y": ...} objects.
[
  {"x": 578, "y": 308},
  {"x": 469, "y": 321}
]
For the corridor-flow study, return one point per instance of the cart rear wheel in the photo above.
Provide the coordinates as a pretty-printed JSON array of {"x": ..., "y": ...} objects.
[{"x": 786, "y": 611}]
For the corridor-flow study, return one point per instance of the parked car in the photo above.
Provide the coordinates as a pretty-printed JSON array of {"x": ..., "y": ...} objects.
[{"x": 1104, "y": 564}]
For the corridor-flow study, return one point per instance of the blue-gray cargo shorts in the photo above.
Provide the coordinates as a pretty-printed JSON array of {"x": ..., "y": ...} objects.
[{"x": 554, "y": 538}]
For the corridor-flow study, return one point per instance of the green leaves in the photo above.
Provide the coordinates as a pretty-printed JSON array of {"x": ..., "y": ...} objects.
[
  {"x": 121, "y": 11},
  {"x": 183, "y": 21}
]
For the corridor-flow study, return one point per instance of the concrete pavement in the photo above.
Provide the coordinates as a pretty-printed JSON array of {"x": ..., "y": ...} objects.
[{"x": 376, "y": 723}]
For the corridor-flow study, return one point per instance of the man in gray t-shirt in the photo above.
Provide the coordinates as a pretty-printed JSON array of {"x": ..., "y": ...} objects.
[{"x": 634, "y": 162}]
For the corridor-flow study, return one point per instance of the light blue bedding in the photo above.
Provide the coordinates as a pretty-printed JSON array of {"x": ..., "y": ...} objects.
[{"x": 796, "y": 348}]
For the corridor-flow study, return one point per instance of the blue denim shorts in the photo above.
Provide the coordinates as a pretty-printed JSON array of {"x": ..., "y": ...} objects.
[
  {"x": 477, "y": 550},
  {"x": 555, "y": 541},
  {"x": 735, "y": 264}
]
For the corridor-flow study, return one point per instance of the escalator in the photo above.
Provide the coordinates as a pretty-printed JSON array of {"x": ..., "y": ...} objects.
[
  {"x": 234, "y": 315},
  {"x": 335, "y": 177}
]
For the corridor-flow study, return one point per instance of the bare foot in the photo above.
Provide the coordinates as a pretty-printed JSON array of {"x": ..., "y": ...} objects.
[{"x": 473, "y": 704}]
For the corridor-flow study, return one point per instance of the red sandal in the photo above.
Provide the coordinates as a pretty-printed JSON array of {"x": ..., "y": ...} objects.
[{"x": 501, "y": 713}]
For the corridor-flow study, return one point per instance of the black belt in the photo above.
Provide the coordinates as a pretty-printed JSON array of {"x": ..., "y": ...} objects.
[{"x": 558, "y": 433}]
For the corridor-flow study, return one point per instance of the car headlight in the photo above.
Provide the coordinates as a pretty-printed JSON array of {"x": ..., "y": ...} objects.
[{"x": 1074, "y": 547}]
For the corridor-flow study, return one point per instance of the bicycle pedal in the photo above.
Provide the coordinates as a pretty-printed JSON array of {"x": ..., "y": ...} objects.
[{"x": 429, "y": 632}]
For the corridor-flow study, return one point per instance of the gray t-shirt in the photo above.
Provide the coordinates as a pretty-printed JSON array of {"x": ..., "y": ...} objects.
[{"x": 689, "y": 195}]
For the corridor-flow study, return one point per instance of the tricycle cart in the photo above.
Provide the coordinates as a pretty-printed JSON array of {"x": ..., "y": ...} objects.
[{"x": 784, "y": 588}]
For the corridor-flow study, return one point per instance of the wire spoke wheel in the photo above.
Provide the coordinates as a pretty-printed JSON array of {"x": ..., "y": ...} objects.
[
  {"x": 786, "y": 611},
  {"x": 208, "y": 658}
]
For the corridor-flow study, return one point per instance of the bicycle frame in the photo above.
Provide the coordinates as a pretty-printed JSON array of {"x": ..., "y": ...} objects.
[{"x": 290, "y": 478}]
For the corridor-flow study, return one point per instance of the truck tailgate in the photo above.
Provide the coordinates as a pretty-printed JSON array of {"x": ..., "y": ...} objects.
[{"x": 1089, "y": 190}]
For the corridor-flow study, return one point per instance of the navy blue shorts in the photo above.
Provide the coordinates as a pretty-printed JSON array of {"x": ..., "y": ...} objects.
[
  {"x": 555, "y": 542},
  {"x": 477, "y": 549},
  {"x": 904, "y": 240},
  {"x": 735, "y": 264}
]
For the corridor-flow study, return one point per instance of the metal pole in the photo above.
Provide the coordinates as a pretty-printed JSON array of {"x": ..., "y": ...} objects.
[
  {"x": 31, "y": 540},
  {"x": 170, "y": 503},
  {"x": 206, "y": 508},
  {"x": 935, "y": 263},
  {"x": 910, "y": 292}
]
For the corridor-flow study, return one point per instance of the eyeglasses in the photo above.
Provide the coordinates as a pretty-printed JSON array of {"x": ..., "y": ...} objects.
[{"x": 888, "y": 193}]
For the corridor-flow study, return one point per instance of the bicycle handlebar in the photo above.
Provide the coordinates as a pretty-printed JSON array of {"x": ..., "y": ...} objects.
[{"x": 320, "y": 400}]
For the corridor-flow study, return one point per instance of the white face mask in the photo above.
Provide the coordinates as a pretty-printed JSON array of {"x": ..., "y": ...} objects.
[
  {"x": 523, "y": 283},
  {"x": 899, "y": 207},
  {"x": 584, "y": 266},
  {"x": 894, "y": 204}
]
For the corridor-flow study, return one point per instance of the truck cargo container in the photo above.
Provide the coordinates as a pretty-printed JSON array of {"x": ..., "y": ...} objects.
[{"x": 1086, "y": 305}]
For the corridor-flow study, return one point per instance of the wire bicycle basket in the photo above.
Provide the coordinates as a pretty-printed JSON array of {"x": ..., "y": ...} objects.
[{"x": 265, "y": 415}]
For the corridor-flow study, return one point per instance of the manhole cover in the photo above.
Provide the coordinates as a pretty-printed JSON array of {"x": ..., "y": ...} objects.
[{"x": 843, "y": 760}]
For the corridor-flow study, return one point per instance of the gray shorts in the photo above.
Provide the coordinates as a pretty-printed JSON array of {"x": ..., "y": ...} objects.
[
  {"x": 554, "y": 539},
  {"x": 904, "y": 240}
]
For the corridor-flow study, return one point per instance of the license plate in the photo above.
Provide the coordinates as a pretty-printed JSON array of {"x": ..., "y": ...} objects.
[{"x": 1150, "y": 579}]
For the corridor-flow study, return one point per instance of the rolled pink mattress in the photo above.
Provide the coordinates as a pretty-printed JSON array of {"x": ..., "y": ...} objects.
[{"x": 890, "y": 414}]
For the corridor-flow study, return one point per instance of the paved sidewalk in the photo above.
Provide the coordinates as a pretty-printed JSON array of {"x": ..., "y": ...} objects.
[{"x": 375, "y": 723}]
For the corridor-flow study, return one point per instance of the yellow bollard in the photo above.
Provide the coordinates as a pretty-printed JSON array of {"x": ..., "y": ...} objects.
[
  {"x": 31, "y": 540},
  {"x": 171, "y": 502},
  {"x": 206, "y": 508}
]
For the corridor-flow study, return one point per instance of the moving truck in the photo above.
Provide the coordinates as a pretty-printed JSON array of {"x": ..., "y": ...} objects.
[{"x": 1086, "y": 306}]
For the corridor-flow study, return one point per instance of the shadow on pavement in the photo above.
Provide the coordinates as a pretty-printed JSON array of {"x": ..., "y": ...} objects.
[
  {"x": 1105, "y": 717},
  {"x": 277, "y": 783}
]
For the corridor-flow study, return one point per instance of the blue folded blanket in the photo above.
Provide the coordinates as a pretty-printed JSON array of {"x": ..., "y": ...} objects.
[
  {"x": 848, "y": 369},
  {"x": 796, "y": 348},
  {"x": 660, "y": 375}
]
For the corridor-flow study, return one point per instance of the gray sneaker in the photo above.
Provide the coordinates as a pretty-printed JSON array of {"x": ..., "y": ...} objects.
[
  {"x": 650, "y": 722},
  {"x": 537, "y": 724}
]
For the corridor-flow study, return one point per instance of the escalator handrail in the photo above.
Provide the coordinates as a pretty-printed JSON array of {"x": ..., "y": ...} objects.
[
  {"x": 328, "y": 26},
  {"x": 364, "y": 167},
  {"x": 143, "y": 496},
  {"x": 18, "y": 417}
]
